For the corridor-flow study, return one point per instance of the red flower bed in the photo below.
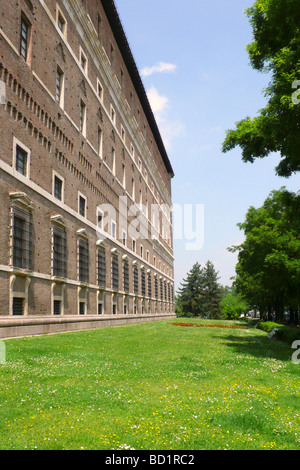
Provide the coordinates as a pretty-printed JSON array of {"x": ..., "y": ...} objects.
[{"x": 212, "y": 325}]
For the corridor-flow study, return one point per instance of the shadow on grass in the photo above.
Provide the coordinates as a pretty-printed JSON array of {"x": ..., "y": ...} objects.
[{"x": 258, "y": 346}]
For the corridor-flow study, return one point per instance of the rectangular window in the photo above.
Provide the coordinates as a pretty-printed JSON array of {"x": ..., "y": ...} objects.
[
  {"x": 113, "y": 229},
  {"x": 59, "y": 252},
  {"x": 61, "y": 23},
  {"x": 132, "y": 150},
  {"x": 133, "y": 245},
  {"x": 112, "y": 114},
  {"x": 18, "y": 306},
  {"x": 21, "y": 160},
  {"x": 82, "y": 205},
  {"x": 22, "y": 239},
  {"x": 99, "y": 26},
  {"x": 59, "y": 86},
  {"x": 135, "y": 280},
  {"x": 143, "y": 282},
  {"x": 100, "y": 142},
  {"x": 123, "y": 176},
  {"x": 83, "y": 261},
  {"x": 156, "y": 287},
  {"x": 113, "y": 158},
  {"x": 100, "y": 219},
  {"x": 126, "y": 276},
  {"x": 58, "y": 188},
  {"x": 149, "y": 285},
  {"x": 101, "y": 265},
  {"x": 81, "y": 308},
  {"x": 83, "y": 61},
  {"x": 82, "y": 118},
  {"x": 124, "y": 236},
  {"x": 112, "y": 54},
  {"x": 99, "y": 90},
  {"x": 115, "y": 272},
  {"x": 25, "y": 37},
  {"x": 123, "y": 134},
  {"x": 57, "y": 307}
]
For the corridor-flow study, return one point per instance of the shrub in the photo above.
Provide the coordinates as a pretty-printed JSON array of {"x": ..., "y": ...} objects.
[
  {"x": 268, "y": 326},
  {"x": 252, "y": 321},
  {"x": 288, "y": 334}
]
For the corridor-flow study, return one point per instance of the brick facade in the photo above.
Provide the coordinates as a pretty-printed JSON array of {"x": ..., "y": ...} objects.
[{"x": 77, "y": 134}]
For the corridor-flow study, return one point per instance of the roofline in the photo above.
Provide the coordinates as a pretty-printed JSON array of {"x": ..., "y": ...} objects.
[{"x": 120, "y": 36}]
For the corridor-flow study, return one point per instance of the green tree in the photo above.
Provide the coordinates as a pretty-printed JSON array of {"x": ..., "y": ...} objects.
[
  {"x": 233, "y": 305},
  {"x": 199, "y": 294},
  {"x": 268, "y": 268},
  {"x": 190, "y": 293},
  {"x": 275, "y": 49},
  {"x": 212, "y": 291}
]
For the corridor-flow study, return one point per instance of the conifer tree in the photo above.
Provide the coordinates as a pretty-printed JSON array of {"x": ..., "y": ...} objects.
[
  {"x": 191, "y": 291},
  {"x": 200, "y": 293},
  {"x": 212, "y": 291}
]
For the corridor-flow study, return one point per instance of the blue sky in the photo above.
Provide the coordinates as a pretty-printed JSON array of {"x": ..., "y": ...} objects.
[{"x": 195, "y": 68}]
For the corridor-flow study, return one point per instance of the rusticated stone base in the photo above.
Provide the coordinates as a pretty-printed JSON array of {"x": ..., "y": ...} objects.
[{"x": 33, "y": 326}]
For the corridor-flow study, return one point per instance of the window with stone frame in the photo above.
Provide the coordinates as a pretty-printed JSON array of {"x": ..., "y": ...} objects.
[
  {"x": 115, "y": 271},
  {"x": 22, "y": 246},
  {"x": 25, "y": 37},
  {"x": 156, "y": 287},
  {"x": 21, "y": 160},
  {"x": 59, "y": 252},
  {"x": 149, "y": 285},
  {"x": 83, "y": 260},
  {"x": 143, "y": 282},
  {"x": 125, "y": 276},
  {"x": 135, "y": 280},
  {"x": 101, "y": 267}
]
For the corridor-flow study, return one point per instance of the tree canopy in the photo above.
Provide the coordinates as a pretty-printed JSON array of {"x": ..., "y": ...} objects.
[
  {"x": 233, "y": 305},
  {"x": 276, "y": 49},
  {"x": 268, "y": 268}
]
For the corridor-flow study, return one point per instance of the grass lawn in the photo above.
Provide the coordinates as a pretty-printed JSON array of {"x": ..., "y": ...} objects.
[{"x": 150, "y": 386}]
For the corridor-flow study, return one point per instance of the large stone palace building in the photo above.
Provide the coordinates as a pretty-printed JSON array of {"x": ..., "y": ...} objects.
[{"x": 85, "y": 180}]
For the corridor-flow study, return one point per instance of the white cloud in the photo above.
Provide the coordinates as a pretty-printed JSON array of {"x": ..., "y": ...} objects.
[
  {"x": 160, "y": 67},
  {"x": 160, "y": 104}
]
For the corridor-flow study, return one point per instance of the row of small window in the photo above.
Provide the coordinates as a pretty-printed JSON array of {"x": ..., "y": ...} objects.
[
  {"x": 22, "y": 165},
  {"x": 22, "y": 156},
  {"x": 59, "y": 95},
  {"x": 20, "y": 305},
  {"x": 25, "y": 46},
  {"x": 25, "y": 42},
  {"x": 22, "y": 256}
]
